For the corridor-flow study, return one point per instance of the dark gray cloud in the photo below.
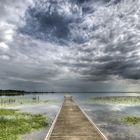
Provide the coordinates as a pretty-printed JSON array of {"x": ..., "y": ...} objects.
[
  {"x": 45, "y": 26},
  {"x": 65, "y": 44},
  {"x": 50, "y": 20},
  {"x": 60, "y": 21}
]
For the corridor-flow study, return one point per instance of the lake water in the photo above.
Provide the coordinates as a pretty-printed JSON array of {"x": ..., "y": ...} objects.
[{"x": 106, "y": 116}]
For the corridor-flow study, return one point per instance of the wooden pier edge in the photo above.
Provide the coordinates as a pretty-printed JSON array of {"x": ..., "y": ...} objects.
[
  {"x": 94, "y": 125},
  {"x": 53, "y": 124},
  {"x": 89, "y": 119}
]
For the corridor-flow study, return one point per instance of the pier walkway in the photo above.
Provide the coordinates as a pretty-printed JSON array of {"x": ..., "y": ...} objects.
[{"x": 71, "y": 123}]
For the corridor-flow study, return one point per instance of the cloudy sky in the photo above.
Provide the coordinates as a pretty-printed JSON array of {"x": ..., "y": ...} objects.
[{"x": 70, "y": 45}]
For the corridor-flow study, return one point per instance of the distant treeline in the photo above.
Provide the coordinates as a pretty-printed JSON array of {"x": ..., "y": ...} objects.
[
  {"x": 22, "y": 92},
  {"x": 11, "y": 92},
  {"x": 18, "y": 92}
]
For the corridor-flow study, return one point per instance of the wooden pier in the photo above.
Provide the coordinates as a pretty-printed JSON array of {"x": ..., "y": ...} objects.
[{"x": 71, "y": 123}]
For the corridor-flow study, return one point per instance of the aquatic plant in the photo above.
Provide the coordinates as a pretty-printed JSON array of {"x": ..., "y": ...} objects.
[
  {"x": 131, "y": 119},
  {"x": 117, "y": 99},
  {"x": 20, "y": 101},
  {"x": 14, "y": 123}
]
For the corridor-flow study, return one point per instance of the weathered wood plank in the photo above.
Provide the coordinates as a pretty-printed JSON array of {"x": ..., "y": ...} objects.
[{"x": 72, "y": 123}]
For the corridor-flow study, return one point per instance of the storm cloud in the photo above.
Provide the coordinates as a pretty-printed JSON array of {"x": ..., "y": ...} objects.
[{"x": 64, "y": 44}]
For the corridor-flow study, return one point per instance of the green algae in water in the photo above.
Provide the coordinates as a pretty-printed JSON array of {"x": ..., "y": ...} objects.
[
  {"x": 131, "y": 120},
  {"x": 13, "y": 123},
  {"x": 117, "y": 99}
]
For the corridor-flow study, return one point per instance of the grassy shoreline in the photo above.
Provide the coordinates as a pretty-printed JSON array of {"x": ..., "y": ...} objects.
[
  {"x": 116, "y": 99},
  {"x": 13, "y": 124}
]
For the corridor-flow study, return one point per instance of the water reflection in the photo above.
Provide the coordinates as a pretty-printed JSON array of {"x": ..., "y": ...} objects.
[{"x": 106, "y": 116}]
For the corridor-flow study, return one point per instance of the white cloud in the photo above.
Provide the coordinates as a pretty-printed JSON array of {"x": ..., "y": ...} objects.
[
  {"x": 4, "y": 57},
  {"x": 4, "y": 47},
  {"x": 8, "y": 35}
]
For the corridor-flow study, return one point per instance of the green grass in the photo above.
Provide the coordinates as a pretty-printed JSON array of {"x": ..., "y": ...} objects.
[
  {"x": 14, "y": 123},
  {"x": 117, "y": 99},
  {"x": 131, "y": 119}
]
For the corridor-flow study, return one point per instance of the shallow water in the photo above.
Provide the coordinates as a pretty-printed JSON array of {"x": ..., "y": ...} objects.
[{"x": 106, "y": 116}]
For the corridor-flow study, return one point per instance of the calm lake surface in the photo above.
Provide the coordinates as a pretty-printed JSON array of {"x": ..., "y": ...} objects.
[{"x": 106, "y": 116}]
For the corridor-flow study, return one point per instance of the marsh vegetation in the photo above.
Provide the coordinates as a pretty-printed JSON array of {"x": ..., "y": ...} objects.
[
  {"x": 21, "y": 101},
  {"x": 131, "y": 120},
  {"x": 117, "y": 99},
  {"x": 14, "y": 123}
]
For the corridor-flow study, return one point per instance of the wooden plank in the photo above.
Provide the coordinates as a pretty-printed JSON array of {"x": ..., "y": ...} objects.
[{"x": 71, "y": 123}]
